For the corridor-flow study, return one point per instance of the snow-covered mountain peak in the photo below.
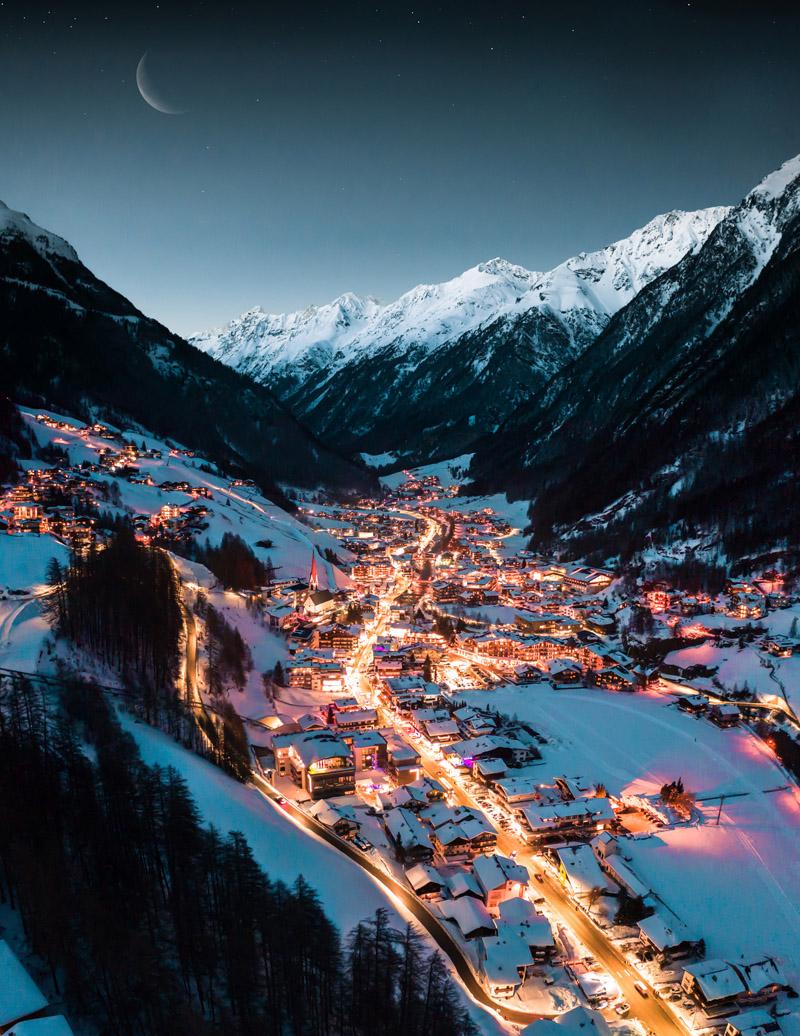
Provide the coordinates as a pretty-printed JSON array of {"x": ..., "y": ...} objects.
[
  {"x": 18, "y": 225},
  {"x": 606, "y": 280},
  {"x": 499, "y": 267},
  {"x": 773, "y": 185}
]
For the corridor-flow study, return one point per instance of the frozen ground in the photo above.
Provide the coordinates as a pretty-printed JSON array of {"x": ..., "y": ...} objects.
[{"x": 737, "y": 884}]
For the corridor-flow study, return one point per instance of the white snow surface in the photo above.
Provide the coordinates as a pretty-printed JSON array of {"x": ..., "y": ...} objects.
[
  {"x": 24, "y": 560},
  {"x": 590, "y": 286},
  {"x": 773, "y": 185}
]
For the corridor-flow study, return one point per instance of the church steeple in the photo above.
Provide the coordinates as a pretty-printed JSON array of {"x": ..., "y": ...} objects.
[{"x": 313, "y": 579}]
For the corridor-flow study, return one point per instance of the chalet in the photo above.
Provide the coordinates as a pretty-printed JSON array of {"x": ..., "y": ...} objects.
[
  {"x": 622, "y": 875},
  {"x": 464, "y": 753},
  {"x": 457, "y": 831},
  {"x": 339, "y": 819},
  {"x": 714, "y": 985},
  {"x": 615, "y": 678},
  {"x": 470, "y": 916},
  {"x": 368, "y": 748},
  {"x": 747, "y": 606},
  {"x": 565, "y": 820},
  {"x": 488, "y": 771},
  {"x": 780, "y": 647},
  {"x": 404, "y": 760},
  {"x": 513, "y": 790},
  {"x": 724, "y": 714},
  {"x": 442, "y": 732},
  {"x": 579, "y": 871},
  {"x": 281, "y": 615},
  {"x": 763, "y": 978},
  {"x": 425, "y": 880},
  {"x": 563, "y": 672},
  {"x": 548, "y": 624},
  {"x": 341, "y": 640},
  {"x": 694, "y": 704},
  {"x": 583, "y": 579},
  {"x": 504, "y": 961},
  {"x": 598, "y": 622},
  {"x": 355, "y": 719},
  {"x": 463, "y": 883},
  {"x": 524, "y": 916},
  {"x": 408, "y": 836},
  {"x": 668, "y": 938},
  {"x": 314, "y": 673},
  {"x": 753, "y": 1023},
  {"x": 500, "y": 878}
]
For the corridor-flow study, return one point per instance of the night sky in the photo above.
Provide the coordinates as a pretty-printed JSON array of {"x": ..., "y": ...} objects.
[{"x": 335, "y": 147}]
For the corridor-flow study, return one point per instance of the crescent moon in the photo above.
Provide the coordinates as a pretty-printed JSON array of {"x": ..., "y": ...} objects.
[{"x": 149, "y": 93}]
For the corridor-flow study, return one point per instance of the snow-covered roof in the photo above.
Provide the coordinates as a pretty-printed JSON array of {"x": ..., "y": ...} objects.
[
  {"x": 469, "y": 914},
  {"x": 422, "y": 875},
  {"x": 463, "y": 883},
  {"x": 494, "y": 870},
  {"x": 19, "y": 994},
  {"x": 580, "y": 1021},
  {"x": 665, "y": 933},
  {"x": 503, "y": 954},
  {"x": 716, "y": 979},
  {"x": 582, "y": 870}
]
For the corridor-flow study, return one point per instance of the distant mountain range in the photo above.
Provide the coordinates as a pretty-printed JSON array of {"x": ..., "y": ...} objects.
[
  {"x": 427, "y": 375},
  {"x": 683, "y": 415},
  {"x": 646, "y": 392},
  {"x": 69, "y": 340}
]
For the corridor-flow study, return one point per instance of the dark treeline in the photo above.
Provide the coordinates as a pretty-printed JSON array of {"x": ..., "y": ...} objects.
[
  {"x": 13, "y": 441},
  {"x": 122, "y": 604},
  {"x": 152, "y": 924},
  {"x": 228, "y": 657},
  {"x": 232, "y": 562}
]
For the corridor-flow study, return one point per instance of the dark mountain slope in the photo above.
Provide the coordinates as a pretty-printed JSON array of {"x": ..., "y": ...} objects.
[
  {"x": 702, "y": 369},
  {"x": 71, "y": 340}
]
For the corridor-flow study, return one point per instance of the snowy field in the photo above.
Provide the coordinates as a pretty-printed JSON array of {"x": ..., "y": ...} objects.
[
  {"x": 24, "y": 560},
  {"x": 736, "y": 884}
]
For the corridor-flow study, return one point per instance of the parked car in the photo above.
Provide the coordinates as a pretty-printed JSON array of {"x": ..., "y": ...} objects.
[
  {"x": 623, "y": 1008},
  {"x": 640, "y": 988}
]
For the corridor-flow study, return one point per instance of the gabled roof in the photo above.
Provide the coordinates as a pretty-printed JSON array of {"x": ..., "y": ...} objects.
[
  {"x": 716, "y": 979},
  {"x": 494, "y": 870},
  {"x": 19, "y": 994},
  {"x": 469, "y": 914}
]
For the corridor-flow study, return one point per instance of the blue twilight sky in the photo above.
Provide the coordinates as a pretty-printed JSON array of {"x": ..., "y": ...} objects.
[{"x": 344, "y": 146}]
